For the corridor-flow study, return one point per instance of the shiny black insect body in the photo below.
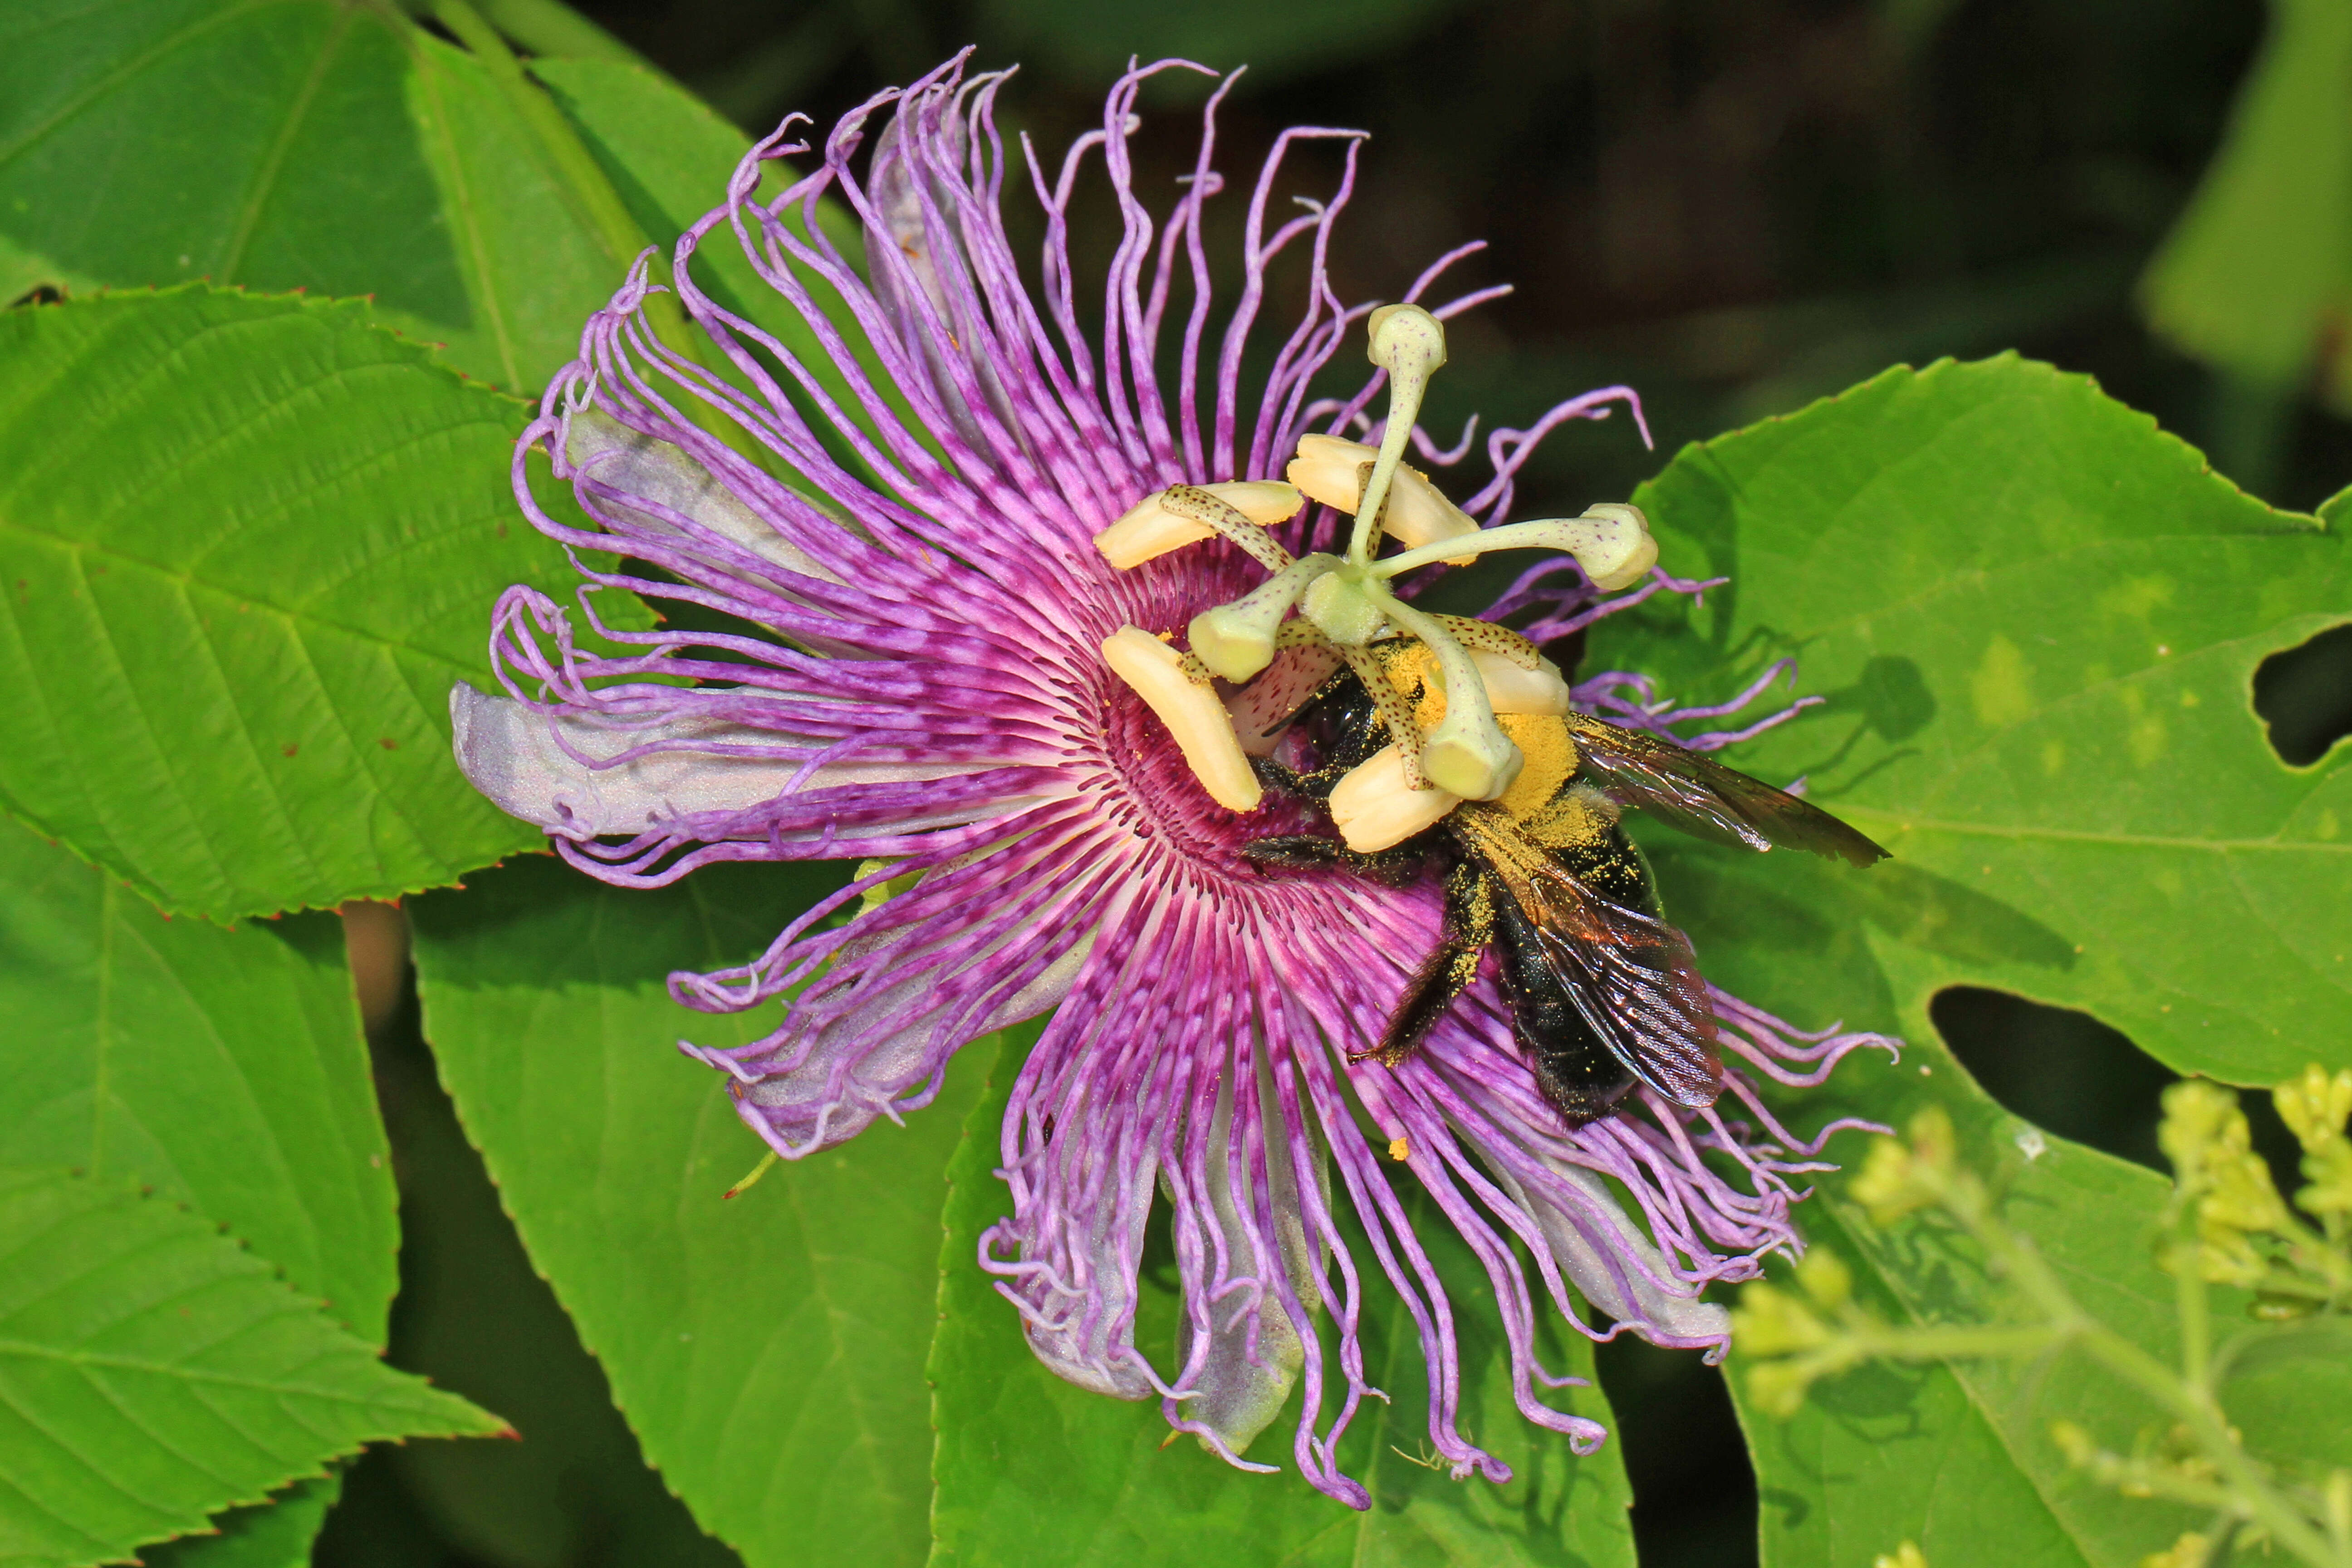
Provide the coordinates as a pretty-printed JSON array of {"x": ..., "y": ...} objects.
[{"x": 1603, "y": 993}]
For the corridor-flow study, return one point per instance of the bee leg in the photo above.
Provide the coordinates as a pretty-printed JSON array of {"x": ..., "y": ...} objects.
[
  {"x": 1297, "y": 851},
  {"x": 1446, "y": 972},
  {"x": 1304, "y": 852},
  {"x": 1314, "y": 786},
  {"x": 1280, "y": 779}
]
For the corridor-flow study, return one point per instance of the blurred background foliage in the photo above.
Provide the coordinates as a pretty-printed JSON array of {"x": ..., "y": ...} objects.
[{"x": 1734, "y": 205}]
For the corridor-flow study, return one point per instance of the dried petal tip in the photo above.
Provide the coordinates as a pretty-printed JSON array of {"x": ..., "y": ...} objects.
[
  {"x": 1150, "y": 530},
  {"x": 574, "y": 776},
  {"x": 1198, "y": 722}
]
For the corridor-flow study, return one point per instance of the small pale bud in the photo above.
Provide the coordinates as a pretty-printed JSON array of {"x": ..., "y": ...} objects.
[
  {"x": 1149, "y": 530},
  {"x": 2315, "y": 1106},
  {"x": 2200, "y": 1120},
  {"x": 1203, "y": 731},
  {"x": 1770, "y": 1321},
  {"x": 1375, "y": 808}
]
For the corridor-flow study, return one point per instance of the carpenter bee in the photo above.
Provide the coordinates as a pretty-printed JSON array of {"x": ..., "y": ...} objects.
[{"x": 1603, "y": 993}]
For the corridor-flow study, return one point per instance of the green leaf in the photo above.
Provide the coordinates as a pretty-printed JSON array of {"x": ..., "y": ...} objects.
[
  {"x": 1885, "y": 1455},
  {"x": 224, "y": 1069},
  {"x": 2036, "y": 618},
  {"x": 768, "y": 1352},
  {"x": 1035, "y": 1471},
  {"x": 2286, "y": 1390},
  {"x": 303, "y": 144},
  {"x": 2259, "y": 266},
  {"x": 252, "y": 543},
  {"x": 534, "y": 263},
  {"x": 155, "y": 1372},
  {"x": 478, "y": 1319},
  {"x": 275, "y": 1534},
  {"x": 1955, "y": 1457},
  {"x": 250, "y": 142}
]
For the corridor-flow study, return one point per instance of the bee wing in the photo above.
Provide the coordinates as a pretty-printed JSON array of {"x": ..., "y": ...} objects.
[
  {"x": 1708, "y": 800},
  {"x": 1633, "y": 977}
]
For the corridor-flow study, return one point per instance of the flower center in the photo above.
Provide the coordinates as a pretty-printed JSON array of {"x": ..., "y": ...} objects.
[{"x": 1345, "y": 603}]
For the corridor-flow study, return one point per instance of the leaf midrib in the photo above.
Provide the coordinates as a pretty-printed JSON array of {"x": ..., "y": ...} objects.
[
  {"x": 460, "y": 206},
  {"x": 189, "y": 582},
  {"x": 29, "y": 1350},
  {"x": 1910, "y": 822},
  {"x": 128, "y": 70},
  {"x": 265, "y": 179}
]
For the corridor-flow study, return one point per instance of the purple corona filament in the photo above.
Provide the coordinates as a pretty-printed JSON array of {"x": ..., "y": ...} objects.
[{"x": 917, "y": 683}]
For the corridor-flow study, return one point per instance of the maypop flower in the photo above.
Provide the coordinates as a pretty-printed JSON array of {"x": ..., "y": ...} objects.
[{"x": 962, "y": 543}]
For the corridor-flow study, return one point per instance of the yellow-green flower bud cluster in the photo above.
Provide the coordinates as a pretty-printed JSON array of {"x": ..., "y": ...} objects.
[
  {"x": 2315, "y": 1108},
  {"x": 2232, "y": 1226},
  {"x": 1899, "y": 1178}
]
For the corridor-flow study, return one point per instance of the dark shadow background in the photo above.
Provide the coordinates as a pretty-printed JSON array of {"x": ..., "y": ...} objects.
[{"x": 1737, "y": 206}]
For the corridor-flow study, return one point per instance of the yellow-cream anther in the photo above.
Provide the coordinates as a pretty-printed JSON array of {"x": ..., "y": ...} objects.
[
  {"x": 1511, "y": 690},
  {"x": 1195, "y": 716},
  {"x": 1149, "y": 529},
  {"x": 1325, "y": 469},
  {"x": 1375, "y": 806}
]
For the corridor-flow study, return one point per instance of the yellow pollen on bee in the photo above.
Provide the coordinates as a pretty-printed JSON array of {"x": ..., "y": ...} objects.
[
  {"x": 1509, "y": 687},
  {"x": 1524, "y": 709},
  {"x": 1551, "y": 762},
  {"x": 1400, "y": 1150}
]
